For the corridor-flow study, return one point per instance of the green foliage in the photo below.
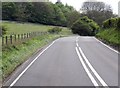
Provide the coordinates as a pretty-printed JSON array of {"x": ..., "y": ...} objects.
[
  {"x": 85, "y": 26},
  {"x": 69, "y": 12},
  {"x": 81, "y": 28},
  {"x": 20, "y": 28},
  {"x": 97, "y": 11},
  {"x": 4, "y": 30},
  {"x": 72, "y": 17},
  {"x": 118, "y": 24},
  {"x": 59, "y": 18},
  {"x": 9, "y": 11},
  {"x": 15, "y": 56},
  {"x": 42, "y": 12},
  {"x": 111, "y": 36},
  {"x": 112, "y": 22},
  {"x": 55, "y": 30},
  {"x": 111, "y": 32}
]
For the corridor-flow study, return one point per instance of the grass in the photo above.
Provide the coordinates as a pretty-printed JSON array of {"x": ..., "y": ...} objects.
[
  {"x": 15, "y": 55},
  {"x": 19, "y": 28},
  {"x": 0, "y": 59},
  {"x": 110, "y": 36}
]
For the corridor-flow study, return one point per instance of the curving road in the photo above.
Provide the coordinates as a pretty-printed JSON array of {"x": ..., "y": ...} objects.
[{"x": 70, "y": 61}]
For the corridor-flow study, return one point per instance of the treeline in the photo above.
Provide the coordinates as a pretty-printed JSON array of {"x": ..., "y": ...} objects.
[
  {"x": 88, "y": 22},
  {"x": 42, "y": 12}
]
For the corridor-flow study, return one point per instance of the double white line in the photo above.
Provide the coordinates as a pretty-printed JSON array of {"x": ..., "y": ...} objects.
[{"x": 86, "y": 65}]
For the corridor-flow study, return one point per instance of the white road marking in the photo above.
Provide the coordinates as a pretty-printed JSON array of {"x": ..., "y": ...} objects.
[
  {"x": 77, "y": 45},
  {"x": 91, "y": 67},
  {"x": 106, "y": 45},
  {"x": 86, "y": 69},
  {"x": 77, "y": 39},
  {"x": 12, "y": 84}
]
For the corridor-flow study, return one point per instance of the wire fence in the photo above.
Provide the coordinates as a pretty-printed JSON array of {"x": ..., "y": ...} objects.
[{"x": 19, "y": 38}]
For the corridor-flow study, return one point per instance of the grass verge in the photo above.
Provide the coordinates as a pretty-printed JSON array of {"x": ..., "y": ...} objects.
[
  {"x": 110, "y": 36},
  {"x": 0, "y": 61},
  {"x": 13, "y": 56}
]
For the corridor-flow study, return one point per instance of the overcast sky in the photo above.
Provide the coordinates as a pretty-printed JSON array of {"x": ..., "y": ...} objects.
[{"x": 78, "y": 3}]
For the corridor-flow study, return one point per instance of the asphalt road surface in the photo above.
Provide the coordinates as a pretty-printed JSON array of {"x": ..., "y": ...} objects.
[{"x": 70, "y": 61}]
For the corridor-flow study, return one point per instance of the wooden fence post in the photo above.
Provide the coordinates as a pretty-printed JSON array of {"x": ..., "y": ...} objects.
[
  {"x": 10, "y": 39},
  {"x": 6, "y": 40},
  {"x": 18, "y": 36},
  {"x": 27, "y": 35},
  {"x": 21, "y": 36},
  {"x": 15, "y": 37}
]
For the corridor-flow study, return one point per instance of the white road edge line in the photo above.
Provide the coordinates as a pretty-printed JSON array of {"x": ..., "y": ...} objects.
[
  {"x": 30, "y": 64},
  {"x": 91, "y": 67},
  {"x": 106, "y": 45},
  {"x": 86, "y": 69}
]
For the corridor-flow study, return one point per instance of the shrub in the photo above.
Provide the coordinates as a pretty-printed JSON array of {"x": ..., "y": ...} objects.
[
  {"x": 85, "y": 26},
  {"x": 81, "y": 28},
  {"x": 3, "y": 30},
  {"x": 86, "y": 19},
  {"x": 55, "y": 30},
  {"x": 112, "y": 22},
  {"x": 118, "y": 24}
]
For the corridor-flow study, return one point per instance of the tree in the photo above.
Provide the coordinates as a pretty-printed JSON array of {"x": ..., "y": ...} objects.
[
  {"x": 59, "y": 18},
  {"x": 98, "y": 11},
  {"x": 8, "y": 11},
  {"x": 42, "y": 12},
  {"x": 21, "y": 14},
  {"x": 72, "y": 17},
  {"x": 85, "y": 26},
  {"x": 80, "y": 28},
  {"x": 70, "y": 14}
]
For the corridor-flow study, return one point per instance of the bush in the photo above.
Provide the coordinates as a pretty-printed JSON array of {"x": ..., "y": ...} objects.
[
  {"x": 80, "y": 28},
  {"x": 3, "y": 30},
  {"x": 85, "y": 26},
  {"x": 118, "y": 24},
  {"x": 110, "y": 23},
  {"x": 55, "y": 30}
]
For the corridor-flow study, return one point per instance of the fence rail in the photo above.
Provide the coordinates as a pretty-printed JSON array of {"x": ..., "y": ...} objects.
[{"x": 19, "y": 38}]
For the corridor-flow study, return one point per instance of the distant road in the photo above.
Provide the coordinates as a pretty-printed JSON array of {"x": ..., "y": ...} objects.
[{"x": 70, "y": 61}]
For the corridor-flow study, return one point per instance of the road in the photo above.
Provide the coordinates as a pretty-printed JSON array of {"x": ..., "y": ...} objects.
[{"x": 70, "y": 61}]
